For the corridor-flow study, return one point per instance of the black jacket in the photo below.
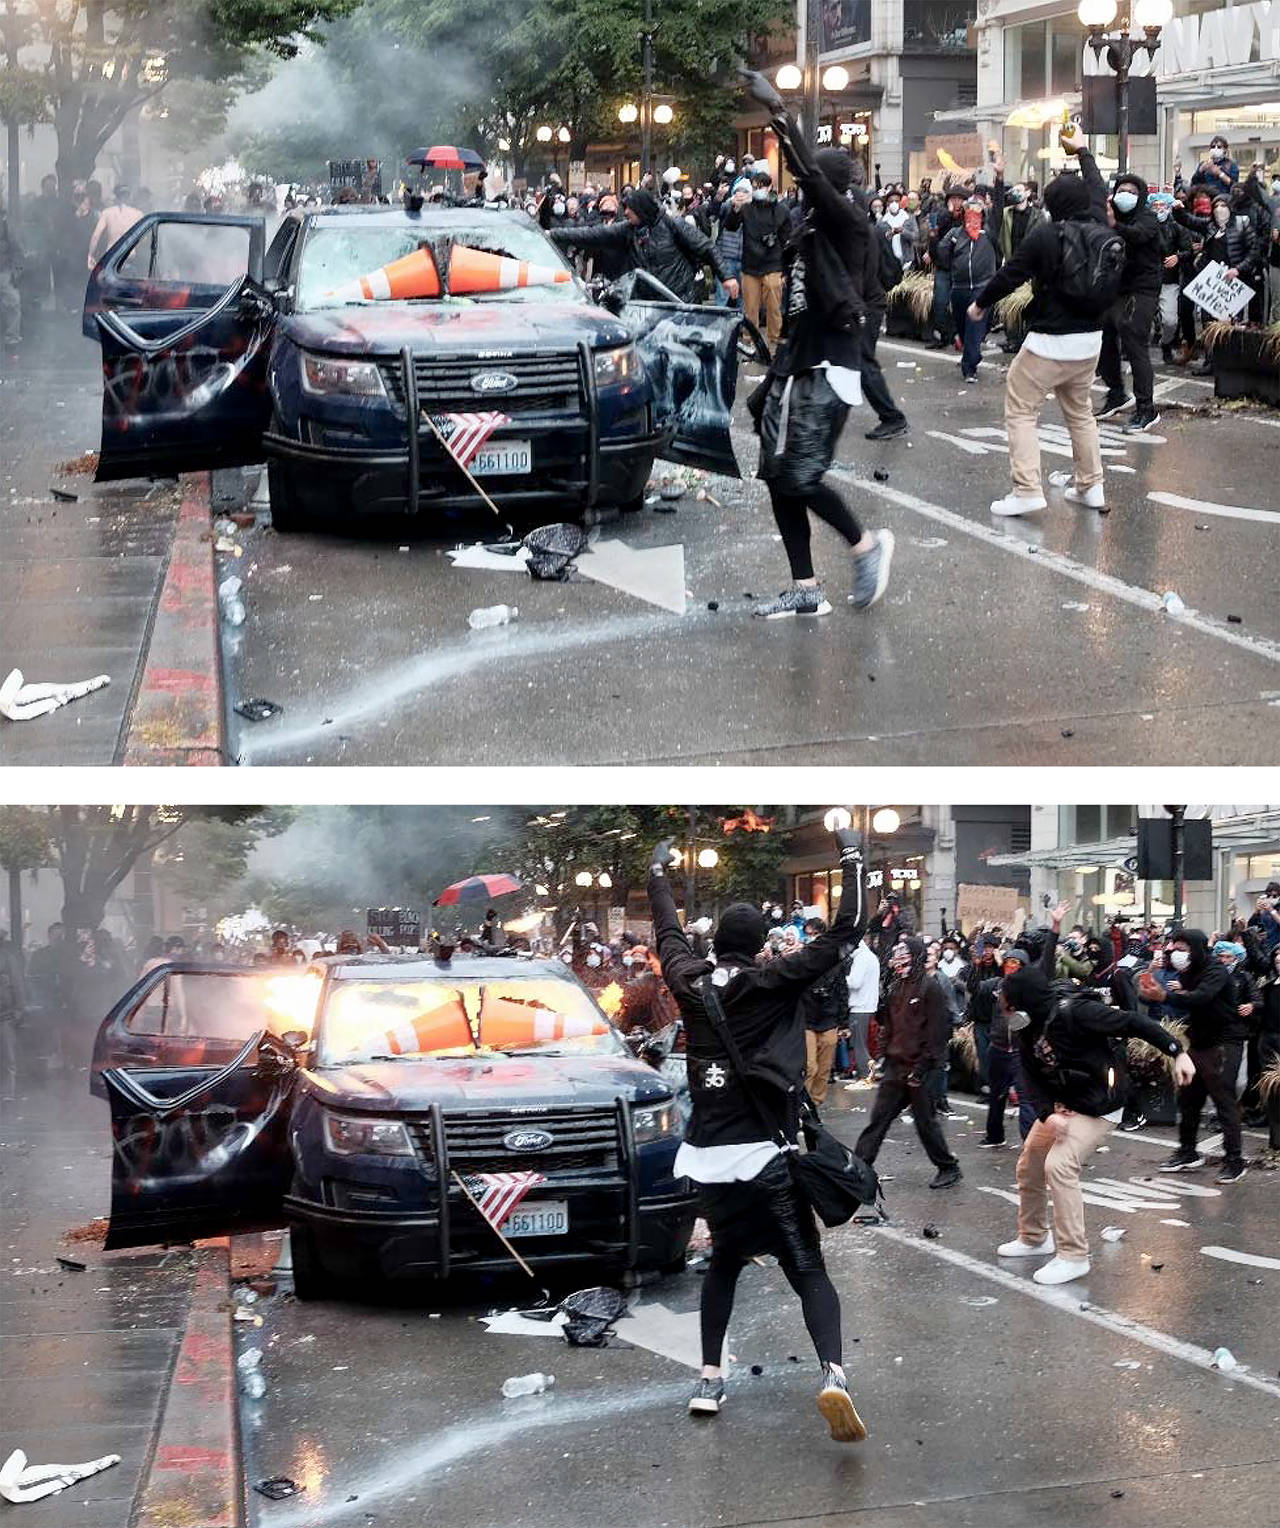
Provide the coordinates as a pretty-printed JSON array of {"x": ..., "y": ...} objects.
[
  {"x": 1207, "y": 1002},
  {"x": 1236, "y": 245},
  {"x": 1242, "y": 1026},
  {"x": 826, "y": 254},
  {"x": 1038, "y": 259},
  {"x": 765, "y": 226},
  {"x": 972, "y": 262},
  {"x": 762, "y": 1006},
  {"x": 825, "y": 1005},
  {"x": 1174, "y": 240},
  {"x": 668, "y": 248},
  {"x": 1140, "y": 230},
  {"x": 1072, "y": 1058}
]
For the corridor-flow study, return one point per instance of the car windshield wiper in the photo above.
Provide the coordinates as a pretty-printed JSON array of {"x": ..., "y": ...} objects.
[{"x": 536, "y": 1050}]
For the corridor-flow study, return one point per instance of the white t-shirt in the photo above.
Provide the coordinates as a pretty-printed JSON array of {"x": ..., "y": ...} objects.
[
  {"x": 724, "y": 1164},
  {"x": 864, "y": 981},
  {"x": 1065, "y": 347}
]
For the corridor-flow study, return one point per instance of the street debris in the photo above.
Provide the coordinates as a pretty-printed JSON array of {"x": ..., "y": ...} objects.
[
  {"x": 63, "y": 495},
  {"x": 552, "y": 549},
  {"x": 880, "y": 475},
  {"x": 71, "y": 1265},
  {"x": 1225, "y": 1359},
  {"x": 248, "y": 1366},
  {"x": 1075, "y": 605},
  {"x": 527, "y": 1384},
  {"x": 94, "y": 1231},
  {"x": 1172, "y": 604},
  {"x": 930, "y": 1232},
  {"x": 1126, "y": 1363},
  {"x": 485, "y": 616},
  {"x": 591, "y": 1314},
  {"x": 278, "y": 1488},
  {"x": 229, "y": 601},
  {"x": 980, "y": 1300},
  {"x": 1112, "y": 1233},
  {"x": 21, "y": 1482},
  {"x": 929, "y": 543},
  {"x": 1235, "y": 620},
  {"x": 757, "y": 1369},
  {"x": 23, "y": 702},
  {"x": 80, "y": 466},
  {"x": 705, "y": 496},
  {"x": 258, "y": 710}
]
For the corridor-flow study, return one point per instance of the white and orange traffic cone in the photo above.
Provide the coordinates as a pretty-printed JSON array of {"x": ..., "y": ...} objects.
[
  {"x": 477, "y": 270},
  {"x": 413, "y": 275},
  {"x": 506, "y": 1022}
]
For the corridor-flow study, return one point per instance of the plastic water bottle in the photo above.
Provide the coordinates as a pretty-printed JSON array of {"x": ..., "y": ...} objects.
[
  {"x": 527, "y": 1384},
  {"x": 492, "y": 615},
  {"x": 233, "y": 611}
]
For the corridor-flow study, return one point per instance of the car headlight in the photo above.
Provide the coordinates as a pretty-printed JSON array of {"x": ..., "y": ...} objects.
[
  {"x": 614, "y": 366},
  {"x": 327, "y": 375},
  {"x": 651, "y": 1122},
  {"x": 348, "y": 1136}
]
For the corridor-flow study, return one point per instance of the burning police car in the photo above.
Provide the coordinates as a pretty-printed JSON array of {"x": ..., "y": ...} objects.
[
  {"x": 374, "y": 356},
  {"x": 371, "y": 1102}
]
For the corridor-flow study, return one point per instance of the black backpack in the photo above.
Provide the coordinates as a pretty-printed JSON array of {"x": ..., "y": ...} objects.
[
  {"x": 1092, "y": 263},
  {"x": 890, "y": 265}
]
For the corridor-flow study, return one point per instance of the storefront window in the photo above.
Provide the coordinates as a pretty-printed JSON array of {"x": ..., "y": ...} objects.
[
  {"x": 1065, "y": 59},
  {"x": 1024, "y": 61}
]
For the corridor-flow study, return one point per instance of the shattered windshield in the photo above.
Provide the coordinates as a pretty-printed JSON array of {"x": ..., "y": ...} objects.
[
  {"x": 488, "y": 261},
  {"x": 363, "y": 1020}
]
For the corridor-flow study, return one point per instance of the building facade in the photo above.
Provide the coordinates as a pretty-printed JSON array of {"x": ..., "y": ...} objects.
[{"x": 1217, "y": 70}]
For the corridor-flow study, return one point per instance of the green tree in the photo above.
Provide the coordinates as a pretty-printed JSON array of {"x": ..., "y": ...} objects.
[
  {"x": 103, "y": 59},
  {"x": 25, "y": 844}
]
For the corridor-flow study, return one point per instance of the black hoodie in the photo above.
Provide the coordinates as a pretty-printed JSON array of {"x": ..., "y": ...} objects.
[
  {"x": 1207, "y": 1001},
  {"x": 667, "y": 247},
  {"x": 762, "y": 1004},
  {"x": 1140, "y": 230}
]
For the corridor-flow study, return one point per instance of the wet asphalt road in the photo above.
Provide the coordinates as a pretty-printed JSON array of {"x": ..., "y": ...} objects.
[
  {"x": 1033, "y": 641},
  {"x": 991, "y": 1403}
]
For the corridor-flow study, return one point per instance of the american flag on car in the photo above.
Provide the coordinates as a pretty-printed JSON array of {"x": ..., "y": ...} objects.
[
  {"x": 496, "y": 1195},
  {"x": 464, "y": 434}
]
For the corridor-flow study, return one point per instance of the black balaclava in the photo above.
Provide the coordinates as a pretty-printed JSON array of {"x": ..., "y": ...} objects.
[
  {"x": 841, "y": 169},
  {"x": 1028, "y": 990},
  {"x": 645, "y": 206},
  {"x": 918, "y": 952},
  {"x": 1066, "y": 196},
  {"x": 741, "y": 931}
]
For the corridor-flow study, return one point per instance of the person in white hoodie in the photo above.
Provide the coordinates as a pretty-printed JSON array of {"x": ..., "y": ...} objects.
[
  {"x": 903, "y": 230},
  {"x": 864, "y": 999}
]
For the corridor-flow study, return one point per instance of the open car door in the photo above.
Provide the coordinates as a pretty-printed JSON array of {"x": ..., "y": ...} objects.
[
  {"x": 691, "y": 355},
  {"x": 199, "y": 1087},
  {"x": 185, "y": 327}
]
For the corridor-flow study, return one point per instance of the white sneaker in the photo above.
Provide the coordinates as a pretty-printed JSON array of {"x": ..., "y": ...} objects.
[
  {"x": 1090, "y": 498},
  {"x": 1062, "y": 1270},
  {"x": 1018, "y": 504},
  {"x": 1019, "y": 1248}
]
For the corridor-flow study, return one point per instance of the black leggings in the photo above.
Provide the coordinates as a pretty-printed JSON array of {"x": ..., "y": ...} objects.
[
  {"x": 792, "y": 515},
  {"x": 818, "y": 1300}
]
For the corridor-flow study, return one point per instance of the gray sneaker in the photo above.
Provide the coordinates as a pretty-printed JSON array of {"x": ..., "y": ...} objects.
[
  {"x": 871, "y": 572},
  {"x": 806, "y": 601}
]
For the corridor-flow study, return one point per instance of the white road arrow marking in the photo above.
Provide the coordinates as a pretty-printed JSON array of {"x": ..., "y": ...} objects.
[
  {"x": 973, "y": 447},
  {"x": 1208, "y": 507},
  {"x": 654, "y": 574}
]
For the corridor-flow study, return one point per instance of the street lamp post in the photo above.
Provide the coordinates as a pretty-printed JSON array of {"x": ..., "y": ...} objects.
[
  {"x": 1122, "y": 47},
  {"x": 809, "y": 84},
  {"x": 646, "y": 104}
]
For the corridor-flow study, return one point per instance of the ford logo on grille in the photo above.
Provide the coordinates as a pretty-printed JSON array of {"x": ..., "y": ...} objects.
[
  {"x": 527, "y": 1140},
  {"x": 494, "y": 382}
]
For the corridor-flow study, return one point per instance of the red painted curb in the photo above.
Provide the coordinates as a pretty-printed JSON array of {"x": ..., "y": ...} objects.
[
  {"x": 177, "y": 716},
  {"x": 194, "y": 1480}
]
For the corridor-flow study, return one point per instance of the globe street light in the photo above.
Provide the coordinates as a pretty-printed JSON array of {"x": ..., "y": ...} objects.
[
  {"x": 789, "y": 77},
  {"x": 543, "y": 135},
  {"x": 604, "y": 880},
  {"x": 662, "y": 114},
  {"x": 708, "y": 859},
  {"x": 583, "y": 878},
  {"x": 564, "y": 135},
  {"x": 629, "y": 113},
  {"x": 886, "y": 820},
  {"x": 1121, "y": 47},
  {"x": 835, "y": 79},
  {"x": 837, "y": 819}
]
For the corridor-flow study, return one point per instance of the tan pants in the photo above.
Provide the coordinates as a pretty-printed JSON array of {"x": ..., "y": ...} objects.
[
  {"x": 820, "y": 1047},
  {"x": 1048, "y": 1165},
  {"x": 766, "y": 290},
  {"x": 1031, "y": 379}
]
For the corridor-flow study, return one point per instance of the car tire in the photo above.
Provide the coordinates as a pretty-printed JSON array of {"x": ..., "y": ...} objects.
[
  {"x": 310, "y": 1279},
  {"x": 676, "y": 1265},
  {"x": 286, "y": 516},
  {"x": 632, "y": 506}
]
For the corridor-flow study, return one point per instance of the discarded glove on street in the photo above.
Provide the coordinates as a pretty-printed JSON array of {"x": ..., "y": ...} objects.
[{"x": 21, "y": 702}]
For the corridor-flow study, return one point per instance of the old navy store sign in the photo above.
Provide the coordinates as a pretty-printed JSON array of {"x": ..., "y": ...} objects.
[{"x": 1221, "y": 39}]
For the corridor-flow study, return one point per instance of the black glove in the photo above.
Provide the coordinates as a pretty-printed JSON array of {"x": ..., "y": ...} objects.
[
  {"x": 850, "y": 843},
  {"x": 661, "y": 857},
  {"x": 759, "y": 89}
]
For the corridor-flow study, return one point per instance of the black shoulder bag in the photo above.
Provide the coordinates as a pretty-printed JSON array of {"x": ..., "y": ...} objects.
[{"x": 828, "y": 1176}]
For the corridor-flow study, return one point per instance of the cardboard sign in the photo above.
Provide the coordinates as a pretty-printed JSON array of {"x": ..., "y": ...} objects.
[
  {"x": 952, "y": 152},
  {"x": 397, "y": 925},
  {"x": 1218, "y": 294},
  {"x": 987, "y": 904}
]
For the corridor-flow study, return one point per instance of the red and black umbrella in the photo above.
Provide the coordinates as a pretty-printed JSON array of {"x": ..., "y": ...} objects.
[
  {"x": 443, "y": 156},
  {"x": 477, "y": 888}
]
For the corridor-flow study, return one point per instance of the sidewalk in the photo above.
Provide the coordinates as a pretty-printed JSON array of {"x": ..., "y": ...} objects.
[
  {"x": 131, "y": 1356},
  {"x": 93, "y": 586}
]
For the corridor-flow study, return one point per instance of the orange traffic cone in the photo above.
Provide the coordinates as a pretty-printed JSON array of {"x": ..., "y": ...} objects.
[
  {"x": 413, "y": 275},
  {"x": 443, "y": 1028},
  {"x": 505, "y": 1022},
  {"x": 476, "y": 270}
]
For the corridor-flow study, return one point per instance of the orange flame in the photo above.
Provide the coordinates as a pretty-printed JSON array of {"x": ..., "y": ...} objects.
[
  {"x": 749, "y": 822},
  {"x": 610, "y": 999}
]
